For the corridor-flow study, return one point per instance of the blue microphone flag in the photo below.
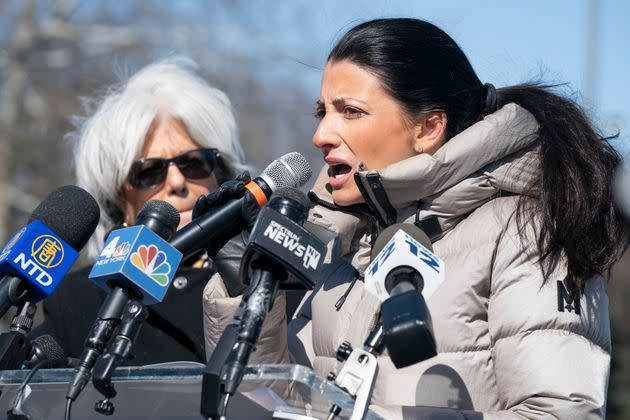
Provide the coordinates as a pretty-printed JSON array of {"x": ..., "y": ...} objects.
[
  {"x": 38, "y": 255},
  {"x": 139, "y": 258}
]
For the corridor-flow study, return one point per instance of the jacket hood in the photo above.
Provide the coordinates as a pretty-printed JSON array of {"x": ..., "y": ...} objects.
[{"x": 496, "y": 155}]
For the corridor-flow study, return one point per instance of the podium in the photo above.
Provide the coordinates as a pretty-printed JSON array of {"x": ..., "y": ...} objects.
[{"x": 172, "y": 390}]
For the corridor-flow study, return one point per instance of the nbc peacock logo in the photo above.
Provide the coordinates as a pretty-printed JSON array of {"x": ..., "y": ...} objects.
[
  {"x": 152, "y": 262},
  {"x": 122, "y": 249}
]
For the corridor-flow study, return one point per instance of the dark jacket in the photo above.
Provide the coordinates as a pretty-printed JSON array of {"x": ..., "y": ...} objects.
[{"x": 173, "y": 330}]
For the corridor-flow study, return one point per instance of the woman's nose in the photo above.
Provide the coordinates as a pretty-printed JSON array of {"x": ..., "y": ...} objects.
[
  {"x": 324, "y": 136},
  {"x": 175, "y": 182}
]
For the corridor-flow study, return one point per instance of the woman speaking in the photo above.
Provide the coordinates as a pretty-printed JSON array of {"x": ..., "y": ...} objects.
[{"x": 514, "y": 183}]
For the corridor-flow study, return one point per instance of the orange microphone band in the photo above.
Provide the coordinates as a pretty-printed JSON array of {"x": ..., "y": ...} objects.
[{"x": 257, "y": 192}]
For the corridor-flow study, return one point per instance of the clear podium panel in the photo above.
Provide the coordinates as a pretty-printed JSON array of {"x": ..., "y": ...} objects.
[
  {"x": 173, "y": 390},
  {"x": 170, "y": 390},
  {"x": 308, "y": 394}
]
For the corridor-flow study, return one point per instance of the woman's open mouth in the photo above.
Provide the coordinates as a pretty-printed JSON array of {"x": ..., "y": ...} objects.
[{"x": 338, "y": 174}]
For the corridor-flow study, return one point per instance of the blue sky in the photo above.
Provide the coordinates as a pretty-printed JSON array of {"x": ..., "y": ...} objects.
[{"x": 507, "y": 42}]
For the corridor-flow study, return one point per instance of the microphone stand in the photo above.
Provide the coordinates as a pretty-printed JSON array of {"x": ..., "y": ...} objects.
[
  {"x": 134, "y": 315},
  {"x": 107, "y": 322},
  {"x": 264, "y": 285},
  {"x": 15, "y": 346},
  {"x": 266, "y": 263},
  {"x": 12, "y": 293},
  {"x": 211, "y": 385},
  {"x": 400, "y": 330},
  {"x": 358, "y": 373}
]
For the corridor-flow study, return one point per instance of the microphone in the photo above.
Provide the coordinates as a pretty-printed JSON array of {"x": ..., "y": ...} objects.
[
  {"x": 278, "y": 245},
  {"x": 404, "y": 272},
  {"x": 278, "y": 236},
  {"x": 290, "y": 170},
  {"x": 400, "y": 251},
  {"x": 139, "y": 258},
  {"x": 135, "y": 264},
  {"x": 44, "y": 347},
  {"x": 38, "y": 256},
  {"x": 45, "y": 350}
]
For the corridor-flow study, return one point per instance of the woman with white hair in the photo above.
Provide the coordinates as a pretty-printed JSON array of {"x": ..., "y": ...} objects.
[
  {"x": 163, "y": 109},
  {"x": 163, "y": 134}
]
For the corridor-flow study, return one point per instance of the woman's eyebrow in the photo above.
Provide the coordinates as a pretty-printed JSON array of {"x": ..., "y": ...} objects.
[{"x": 338, "y": 102}]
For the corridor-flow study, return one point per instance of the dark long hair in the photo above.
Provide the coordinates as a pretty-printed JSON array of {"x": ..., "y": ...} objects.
[{"x": 425, "y": 70}]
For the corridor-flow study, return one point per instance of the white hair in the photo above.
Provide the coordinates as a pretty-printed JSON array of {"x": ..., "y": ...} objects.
[{"x": 111, "y": 138}]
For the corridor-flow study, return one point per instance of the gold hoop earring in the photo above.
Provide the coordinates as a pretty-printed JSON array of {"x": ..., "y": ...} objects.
[{"x": 419, "y": 148}]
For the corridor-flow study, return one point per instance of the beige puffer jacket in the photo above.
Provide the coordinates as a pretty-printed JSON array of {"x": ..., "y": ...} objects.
[{"x": 511, "y": 344}]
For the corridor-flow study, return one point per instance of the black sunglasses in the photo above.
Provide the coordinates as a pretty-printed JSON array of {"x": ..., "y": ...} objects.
[{"x": 194, "y": 164}]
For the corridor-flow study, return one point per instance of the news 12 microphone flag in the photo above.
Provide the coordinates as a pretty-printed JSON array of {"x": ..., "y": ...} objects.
[
  {"x": 137, "y": 253},
  {"x": 402, "y": 249},
  {"x": 37, "y": 254}
]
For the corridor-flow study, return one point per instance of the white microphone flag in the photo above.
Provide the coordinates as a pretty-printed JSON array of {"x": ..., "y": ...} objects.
[{"x": 403, "y": 250}]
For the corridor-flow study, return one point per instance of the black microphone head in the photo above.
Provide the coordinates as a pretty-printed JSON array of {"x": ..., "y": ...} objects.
[
  {"x": 70, "y": 212},
  {"x": 389, "y": 232},
  {"x": 292, "y": 203},
  {"x": 290, "y": 170},
  {"x": 45, "y": 347},
  {"x": 159, "y": 216}
]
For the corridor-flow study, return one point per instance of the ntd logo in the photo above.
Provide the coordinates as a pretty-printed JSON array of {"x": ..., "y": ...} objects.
[
  {"x": 47, "y": 251},
  {"x": 153, "y": 263},
  {"x": 33, "y": 270}
]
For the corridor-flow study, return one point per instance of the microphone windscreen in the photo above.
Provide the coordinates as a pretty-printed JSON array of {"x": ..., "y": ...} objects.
[
  {"x": 292, "y": 194},
  {"x": 389, "y": 232},
  {"x": 165, "y": 211},
  {"x": 49, "y": 348},
  {"x": 162, "y": 211},
  {"x": 290, "y": 170},
  {"x": 292, "y": 203},
  {"x": 70, "y": 212}
]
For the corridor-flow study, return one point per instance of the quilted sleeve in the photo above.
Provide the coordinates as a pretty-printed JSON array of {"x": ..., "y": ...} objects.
[{"x": 550, "y": 349}]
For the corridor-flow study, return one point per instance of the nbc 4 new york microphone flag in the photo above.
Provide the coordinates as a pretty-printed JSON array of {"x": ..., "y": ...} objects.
[{"x": 139, "y": 258}]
